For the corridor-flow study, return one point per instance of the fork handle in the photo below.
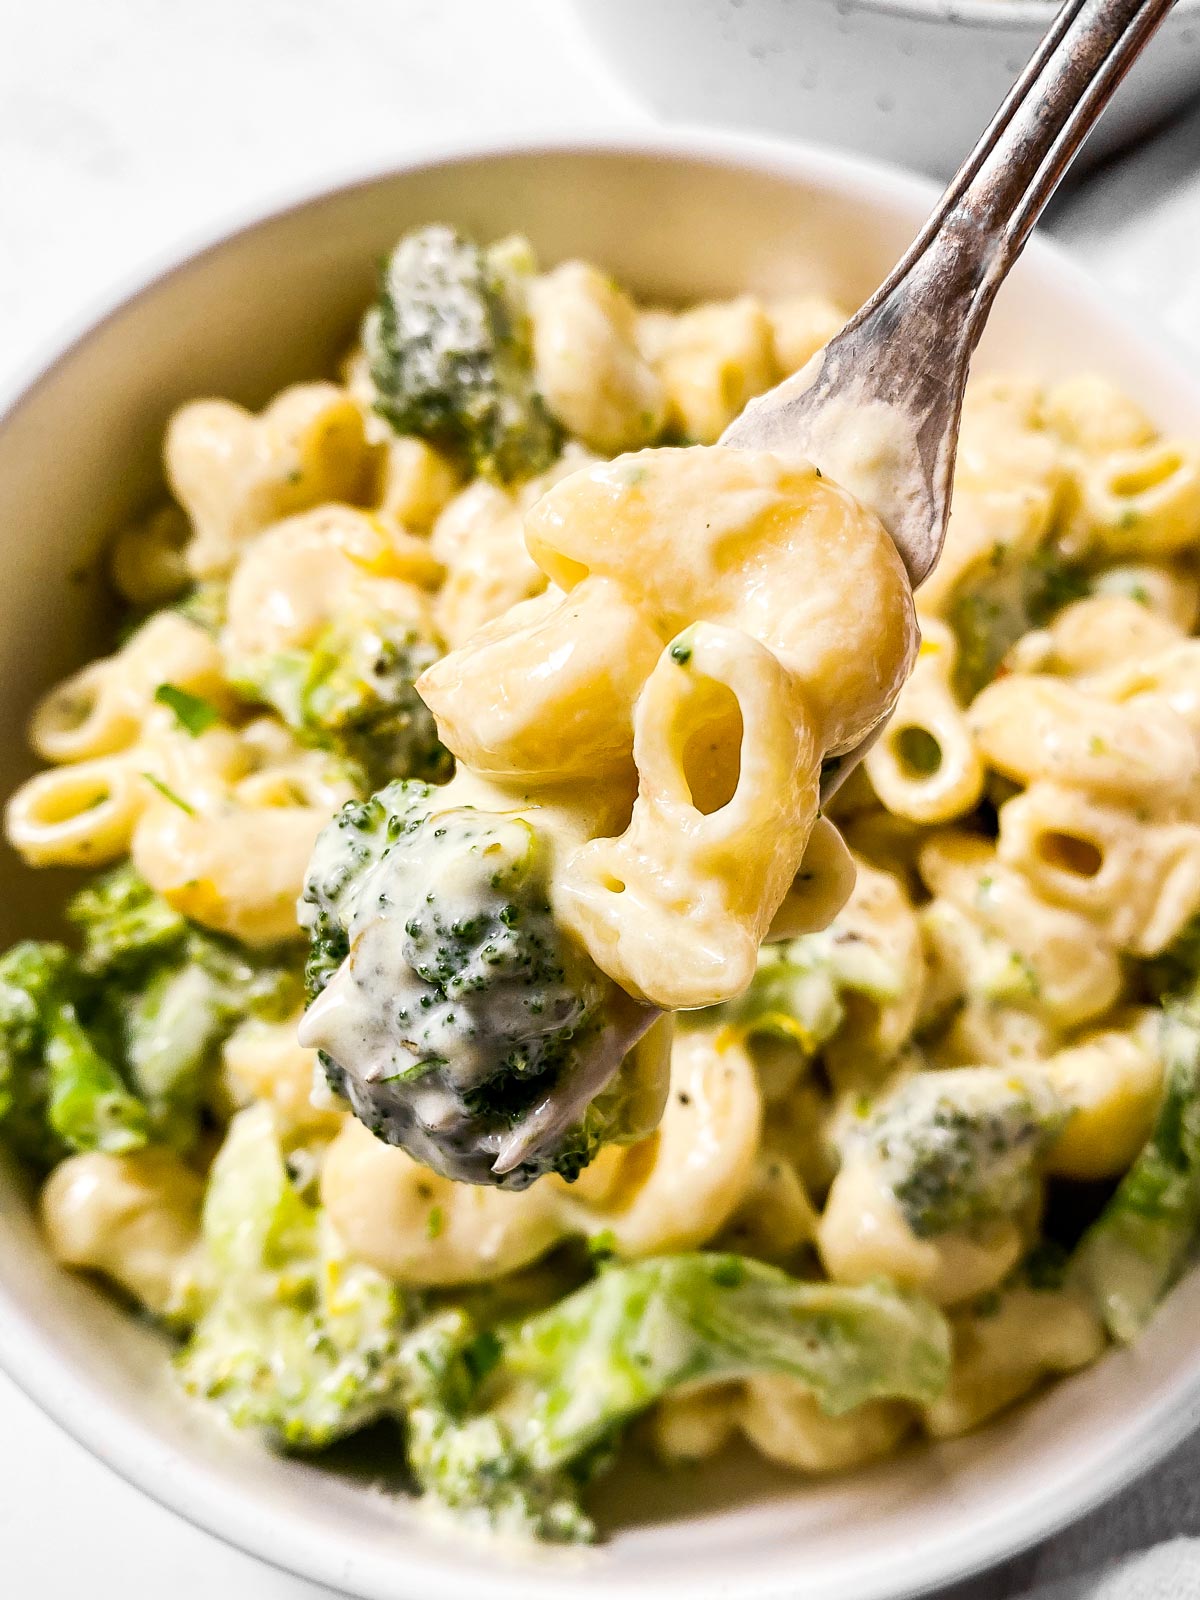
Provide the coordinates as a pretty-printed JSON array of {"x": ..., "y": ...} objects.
[
  {"x": 1001, "y": 189},
  {"x": 927, "y": 316}
]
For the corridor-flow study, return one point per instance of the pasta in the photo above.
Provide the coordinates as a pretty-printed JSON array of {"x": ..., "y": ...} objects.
[
  {"x": 710, "y": 362},
  {"x": 135, "y": 1218},
  {"x": 769, "y": 682},
  {"x": 594, "y": 377},
  {"x": 235, "y": 473},
  {"x": 926, "y": 767},
  {"x": 823, "y": 1209}
]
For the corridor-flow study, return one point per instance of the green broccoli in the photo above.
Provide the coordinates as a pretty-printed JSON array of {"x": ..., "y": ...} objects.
[
  {"x": 173, "y": 1025},
  {"x": 123, "y": 924},
  {"x": 448, "y": 343},
  {"x": 1175, "y": 973},
  {"x": 451, "y": 1010},
  {"x": 960, "y": 1147},
  {"x": 352, "y": 693},
  {"x": 798, "y": 990},
  {"x": 510, "y": 1422},
  {"x": 1143, "y": 1239},
  {"x": 296, "y": 1339},
  {"x": 59, "y": 1090},
  {"x": 1012, "y": 595},
  {"x": 114, "y": 1047},
  {"x": 172, "y": 992}
]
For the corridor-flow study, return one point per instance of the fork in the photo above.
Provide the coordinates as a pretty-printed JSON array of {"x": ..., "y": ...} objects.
[{"x": 879, "y": 409}]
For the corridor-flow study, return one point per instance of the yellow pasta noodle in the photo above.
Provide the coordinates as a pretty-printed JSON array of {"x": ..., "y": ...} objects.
[
  {"x": 589, "y": 368},
  {"x": 135, "y": 1218},
  {"x": 234, "y": 473},
  {"x": 711, "y": 361}
]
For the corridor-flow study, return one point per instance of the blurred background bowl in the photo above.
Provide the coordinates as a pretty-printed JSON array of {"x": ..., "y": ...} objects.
[{"x": 909, "y": 81}]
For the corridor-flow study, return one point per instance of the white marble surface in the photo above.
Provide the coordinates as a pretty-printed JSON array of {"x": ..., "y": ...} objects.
[{"x": 129, "y": 125}]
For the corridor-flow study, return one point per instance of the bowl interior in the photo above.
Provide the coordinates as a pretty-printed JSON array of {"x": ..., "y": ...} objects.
[{"x": 79, "y": 451}]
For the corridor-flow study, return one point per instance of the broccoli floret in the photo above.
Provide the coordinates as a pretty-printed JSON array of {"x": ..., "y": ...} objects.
[
  {"x": 124, "y": 925},
  {"x": 114, "y": 1047},
  {"x": 466, "y": 1460},
  {"x": 510, "y": 1422},
  {"x": 30, "y": 975},
  {"x": 171, "y": 993},
  {"x": 1143, "y": 1239},
  {"x": 448, "y": 343},
  {"x": 173, "y": 1025},
  {"x": 798, "y": 991},
  {"x": 352, "y": 693},
  {"x": 451, "y": 1010},
  {"x": 59, "y": 1090},
  {"x": 296, "y": 1340},
  {"x": 1005, "y": 600},
  {"x": 958, "y": 1148}
]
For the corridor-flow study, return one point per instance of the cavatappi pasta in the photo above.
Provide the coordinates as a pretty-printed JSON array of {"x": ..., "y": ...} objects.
[{"x": 907, "y": 1116}]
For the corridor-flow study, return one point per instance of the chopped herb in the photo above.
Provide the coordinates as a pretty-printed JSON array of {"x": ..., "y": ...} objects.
[
  {"x": 435, "y": 1222},
  {"x": 168, "y": 794},
  {"x": 191, "y": 711}
]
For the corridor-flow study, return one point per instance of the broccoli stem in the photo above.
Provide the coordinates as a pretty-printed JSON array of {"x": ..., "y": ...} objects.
[
  {"x": 1141, "y": 1242},
  {"x": 297, "y": 1340},
  {"x": 615, "y": 1347},
  {"x": 509, "y": 1422},
  {"x": 89, "y": 1106}
]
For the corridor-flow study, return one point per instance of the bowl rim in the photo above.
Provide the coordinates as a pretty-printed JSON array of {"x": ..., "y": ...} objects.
[
  {"x": 1017, "y": 16},
  {"x": 198, "y": 1491}
]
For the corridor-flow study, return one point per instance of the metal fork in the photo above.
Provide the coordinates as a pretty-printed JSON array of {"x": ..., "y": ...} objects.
[{"x": 901, "y": 363}]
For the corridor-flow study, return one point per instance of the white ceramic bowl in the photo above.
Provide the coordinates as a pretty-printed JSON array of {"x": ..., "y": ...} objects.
[
  {"x": 913, "y": 81},
  {"x": 684, "y": 217}
]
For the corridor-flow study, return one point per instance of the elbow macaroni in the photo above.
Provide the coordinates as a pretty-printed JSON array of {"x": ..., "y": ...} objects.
[
  {"x": 710, "y": 361},
  {"x": 588, "y": 366}
]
